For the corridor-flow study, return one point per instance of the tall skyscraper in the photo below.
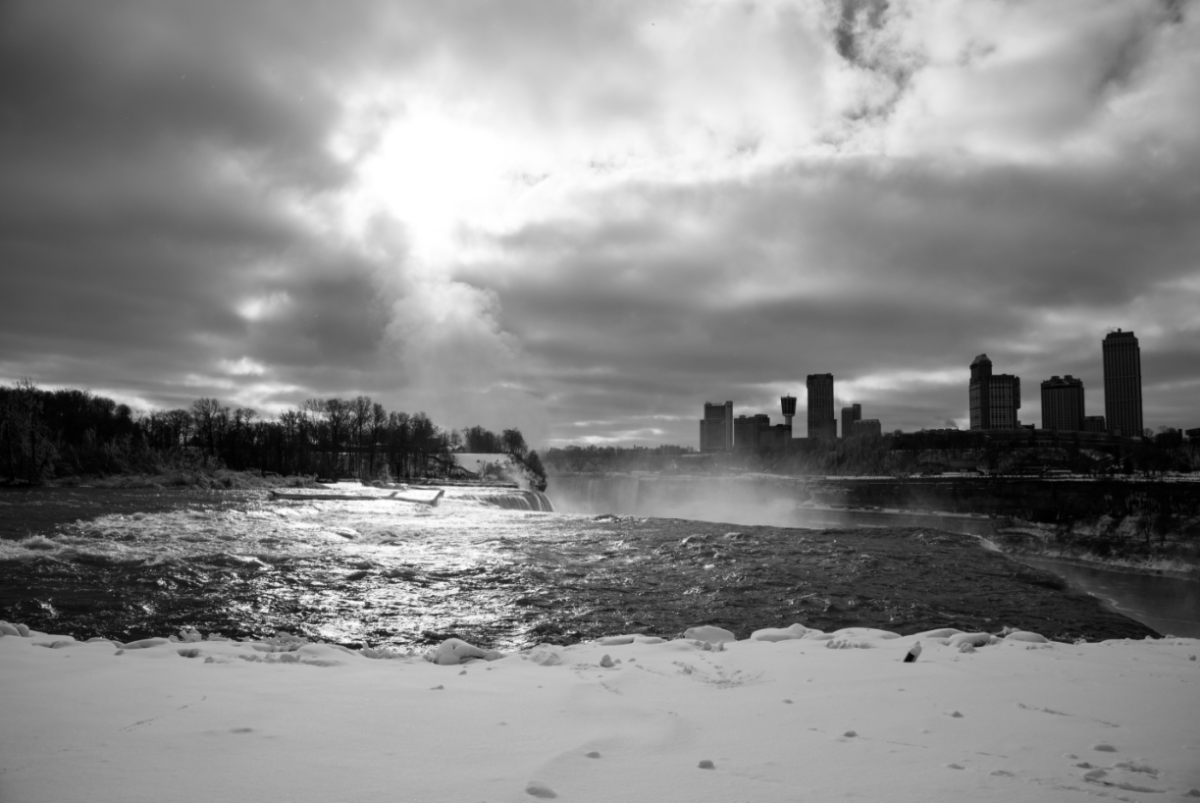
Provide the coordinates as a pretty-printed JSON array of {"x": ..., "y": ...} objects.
[
  {"x": 716, "y": 429},
  {"x": 994, "y": 398},
  {"x": 1062, "y": 403},
  {"x": 1123, "y": 384},
  {"x": 849, "y": 416},
  {"x": 821, "y": 421}
]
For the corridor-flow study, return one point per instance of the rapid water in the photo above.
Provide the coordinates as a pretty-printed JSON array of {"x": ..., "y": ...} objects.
[
  {"x": 1166, "y": 604},
  {"x": 126, "y": 565}
]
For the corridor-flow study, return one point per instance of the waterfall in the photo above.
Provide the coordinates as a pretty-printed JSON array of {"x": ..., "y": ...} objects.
[
  {"x": 516, "y": 500},
  {"x": 594, "y": 495}
]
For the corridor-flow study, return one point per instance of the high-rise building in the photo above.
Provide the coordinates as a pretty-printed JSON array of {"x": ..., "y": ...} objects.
[
  {"x": 1062, "y": 403},
  {"x": 865, "y": 426},
  {"x": 750, "y": 432},
  {"x": 1094, "y": 423},
  {"x": 821, "y": 421},
  {"x": 994, "y": 398},
  {"x": 849, "y": 416},
  {"x": 716, "y": 430},
  {"x": 1123, "y": 384},
  {"x": 777, "y": 438}
]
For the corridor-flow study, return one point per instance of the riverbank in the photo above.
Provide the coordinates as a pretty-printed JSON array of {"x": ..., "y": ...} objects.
[
  {"x": 822, "y": 716},
  {"x": 1139, "y": 555}
]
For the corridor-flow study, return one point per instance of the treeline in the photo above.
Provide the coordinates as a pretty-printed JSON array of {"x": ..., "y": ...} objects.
[
  {"x": 863, "y": 454},
  {"x": 46, "y": 434},
  {"x": 592, "y": 458}
]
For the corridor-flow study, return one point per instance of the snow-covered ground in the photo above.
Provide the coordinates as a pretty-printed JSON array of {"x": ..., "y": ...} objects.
[{"x": 821, "y": 717}]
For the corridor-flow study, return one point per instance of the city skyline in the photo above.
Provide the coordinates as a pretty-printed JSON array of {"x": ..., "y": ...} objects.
[
  {"x": 994, "y": 401},
  {"x": 579, "y": 219}
]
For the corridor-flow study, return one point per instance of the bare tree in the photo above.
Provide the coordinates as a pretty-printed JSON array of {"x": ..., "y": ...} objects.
[
  {"x": 209, "y": 416},
  {"x": 337, "y": 412},
  {"x": 514, "y": 442},
  {"x": 360, "y": 428},
  {"x": 379, "y": 422}
]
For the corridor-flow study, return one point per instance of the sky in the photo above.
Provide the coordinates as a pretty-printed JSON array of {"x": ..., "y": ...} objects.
[{"x": 587, "y": 219}]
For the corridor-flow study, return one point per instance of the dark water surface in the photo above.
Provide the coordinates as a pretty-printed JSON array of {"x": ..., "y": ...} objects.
[
  {"x": 130, "y": 564},
  {"x": 1166, "y": 604},
  {"x": 1170, "y": 605}
]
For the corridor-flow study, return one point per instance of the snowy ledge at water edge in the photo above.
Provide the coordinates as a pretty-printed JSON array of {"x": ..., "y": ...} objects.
[{"x": 788, "y": 714}]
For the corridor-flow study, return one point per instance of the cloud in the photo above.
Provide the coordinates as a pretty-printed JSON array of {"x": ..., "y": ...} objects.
[{"x": 589, "y": 218}]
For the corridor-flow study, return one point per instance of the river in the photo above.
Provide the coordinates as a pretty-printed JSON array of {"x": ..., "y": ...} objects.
[
  {"x": 1169, "y": 605},
  {"x": 130, "y": 564}
]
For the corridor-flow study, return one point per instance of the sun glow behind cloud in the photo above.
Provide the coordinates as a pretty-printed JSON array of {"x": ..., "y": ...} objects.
[
  {"x": 457, "y": 151},
  {"x": 710, "y": 92},
  {"x": 435, "y": 174},
  {"x": 567, "y": 153},
  {"x": 600, "y": 212}
]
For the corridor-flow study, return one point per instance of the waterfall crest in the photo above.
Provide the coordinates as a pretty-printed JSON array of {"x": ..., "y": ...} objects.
[{"x": 516, "y": 500}]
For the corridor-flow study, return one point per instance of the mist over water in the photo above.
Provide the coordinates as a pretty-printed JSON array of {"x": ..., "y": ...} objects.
[
  {"x": 756, "y": 500},
  {"x": 733, "y": 500},
  {"x": 1168, "y": 604}
]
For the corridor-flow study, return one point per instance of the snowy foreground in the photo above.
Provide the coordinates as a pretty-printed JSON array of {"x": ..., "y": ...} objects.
[{"x": 628, "y": 718}]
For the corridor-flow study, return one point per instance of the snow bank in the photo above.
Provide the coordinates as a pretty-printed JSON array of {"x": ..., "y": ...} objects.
[{"x": 790, "y": 714}]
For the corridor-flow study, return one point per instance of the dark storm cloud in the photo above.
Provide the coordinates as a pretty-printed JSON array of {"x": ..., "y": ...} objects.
[
  {"x": 855, "y": 270},
  {"x": 106, "y": 86},
  {"x": 201, "y": 199},
  {"x": 156, "y": 159}
]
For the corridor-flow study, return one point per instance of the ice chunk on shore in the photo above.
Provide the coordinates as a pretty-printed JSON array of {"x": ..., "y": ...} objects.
[
  {"x": 793, "y": 631},
  {"x": 865, "y": 632},
  {"x": 454, "y": 651},
  {"x": 961, "y": 640},
  {"x": 939, "y": 633},
  {"x": 1025, "y": 635},
  {"x": 709, "y": 633}
]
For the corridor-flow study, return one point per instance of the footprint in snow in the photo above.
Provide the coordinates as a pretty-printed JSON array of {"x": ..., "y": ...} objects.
[{"x": 540, "y": 790}]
